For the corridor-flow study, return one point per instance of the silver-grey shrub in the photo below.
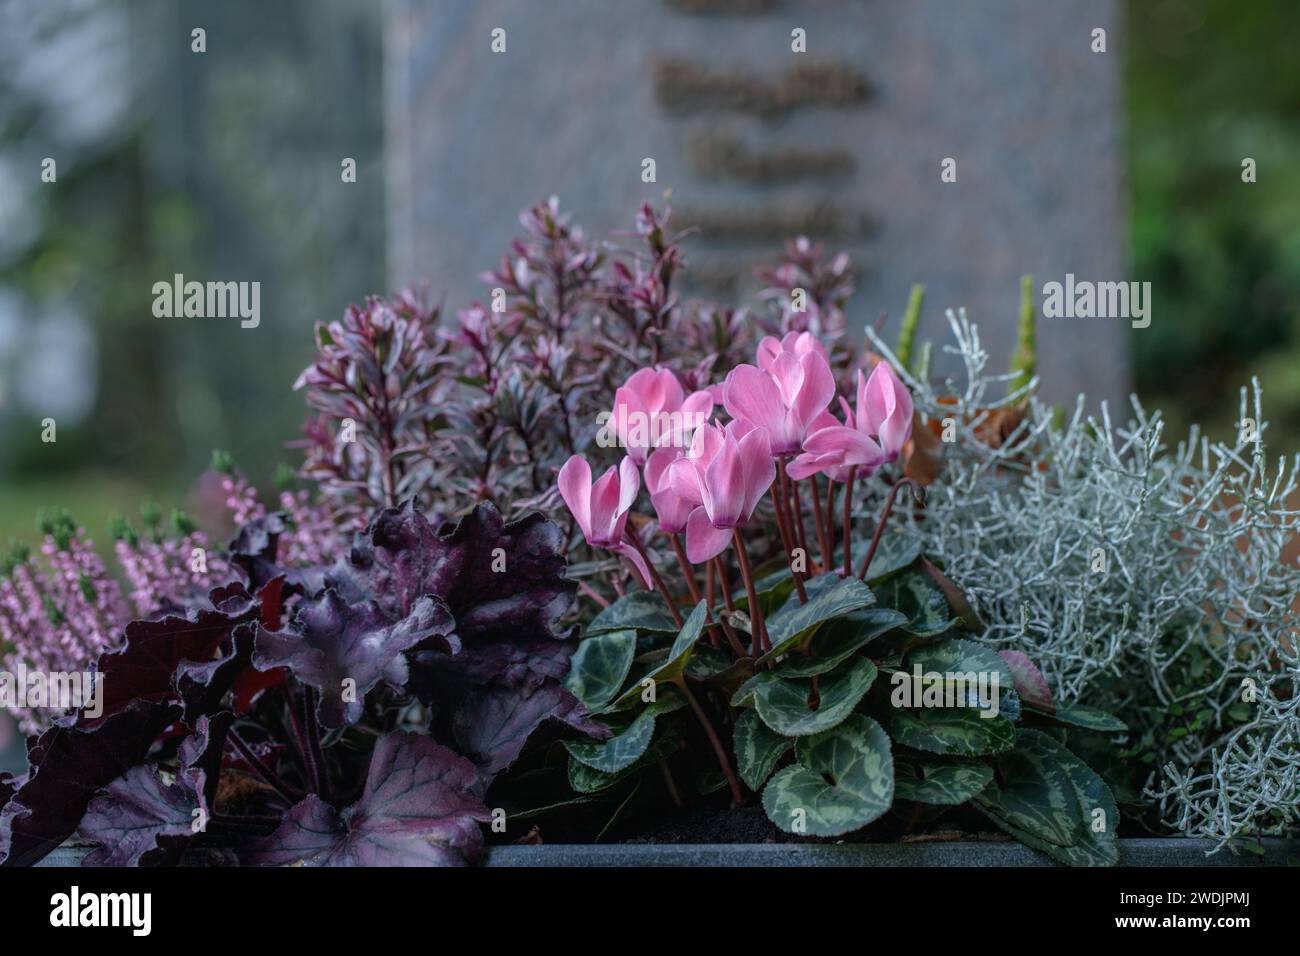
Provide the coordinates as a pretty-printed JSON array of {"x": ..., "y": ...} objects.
[{"x": 1187, "y": 604}]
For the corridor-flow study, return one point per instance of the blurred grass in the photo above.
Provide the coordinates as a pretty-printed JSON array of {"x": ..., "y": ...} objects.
[{"x": 90, "y": 497}]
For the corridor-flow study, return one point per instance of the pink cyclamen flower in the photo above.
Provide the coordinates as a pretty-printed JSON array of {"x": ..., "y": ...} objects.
[
  {"x": 796, "y": 342},
  {"x": 886, "y": 406},
  {"x": 727, "y": 472},
  {"x": 671, "y": 508},
  {"x": 785, "y": 398},
  {"x": 651, "y": 410},
  {"x": 869, "y": 439},
  {"x": 601, "y": 508}
]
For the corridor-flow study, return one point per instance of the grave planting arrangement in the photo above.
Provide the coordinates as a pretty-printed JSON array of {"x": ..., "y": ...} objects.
[{"x": 595, "y": 562}]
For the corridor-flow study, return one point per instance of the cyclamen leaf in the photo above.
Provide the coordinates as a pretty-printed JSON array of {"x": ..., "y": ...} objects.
[
  {"x": 758, "y": 749},
  {"x": 919, "y": 598},
  {"x": 679, "y": 656},
  {"x": 956, "y": 597},
  {"x": 585, "y": 779},
  {"x": 960, "y": 731},
  {"x": 620, "y": 751},
  {"x": 940, "y": 781},
  {"x": 1089, "y": 718},
  {"x": 838, "y": 640},
  {"x": 331, "y": 642},
  {"x": 783, "y": 704},
  {"x": 1032, "y": 794},
  {"x": 958, "y": 657},
  {"x": 842, "y": 780},
  {"x": 1031, "y": 685},
  {"x": 599, "y": 667},
  {"x": 640, "y": 610},
  {"x": 829, "y": 596},
  {"x": 421, "y": 806},
  {"x": 1100, "y": 846}
]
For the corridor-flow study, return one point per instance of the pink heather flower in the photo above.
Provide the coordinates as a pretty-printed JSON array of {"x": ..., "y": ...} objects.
[
  {"x": 601, "y": 508},
  {"x": 871, "y": 438},
  {"x": 785, "y": 398},
  {"x": 651, "y": 410},
  {"x": 671, "y": 508},
  {"x": 727, "y": 471}
]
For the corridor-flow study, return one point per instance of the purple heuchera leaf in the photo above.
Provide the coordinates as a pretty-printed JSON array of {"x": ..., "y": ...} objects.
[
  {"x": 330, "y": 642},
  {"x": 1031, "y": 685},
  {"x": 8, "y": 787},
  {"x": 520, "y": 589},
  {"x": 70, "y": 762},
  {"x": 140, "y": 821},
  {"x": 493, "y": 723},
  {"x": 144, "y": 666},
  {"x": 420, "y": 807}
]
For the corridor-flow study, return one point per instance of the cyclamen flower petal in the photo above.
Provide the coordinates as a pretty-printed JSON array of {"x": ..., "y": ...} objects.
[
  {"x": 885, "y": 409},
  {"x": 834, "y": 450},
  {"x": 651, "y": 411},
  {"x": 601, "y": 508},
  {"x": 670, "y": 507},
  {"x": 796, "y": 342},
  {"x": 784, "y": 400},
  {"x": 730, "y": 481}
]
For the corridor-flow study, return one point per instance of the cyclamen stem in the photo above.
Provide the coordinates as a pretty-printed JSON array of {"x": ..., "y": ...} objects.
[
  {"x": 821, "y": 524},
  {"x": 760, "y": 642},
  {"x": 736, "y": 647},
  {"x": 688, "y": 572},
  {"x": 884, "y": 516},
  {"x": 737, "y": 795},
  {"x": 635, "y": 538},
  {"x": 796, "y": 506},
  {"x": 783, "y": 527},
  {"x": 848, "y": 521},
  {"x": 830, "y": 518}
]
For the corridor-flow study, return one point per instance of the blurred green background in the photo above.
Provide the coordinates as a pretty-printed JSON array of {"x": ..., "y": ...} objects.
[{"x": 227, "y": 167}]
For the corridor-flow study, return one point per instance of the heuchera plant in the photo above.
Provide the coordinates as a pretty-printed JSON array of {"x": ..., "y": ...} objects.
[
  {"x": 353, "y": 712},
  {"x": 845, "y": 682}
]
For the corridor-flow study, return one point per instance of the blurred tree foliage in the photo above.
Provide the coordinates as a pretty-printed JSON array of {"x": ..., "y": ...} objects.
[
  {"x": 1209, "y": 84},
  {"x": 225, "y": 166}
]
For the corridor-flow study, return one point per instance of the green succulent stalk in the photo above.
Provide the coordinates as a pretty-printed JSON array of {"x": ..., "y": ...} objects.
[
  {"x": 1024, "y": 363},
  {"x": 911, "y": 320}
]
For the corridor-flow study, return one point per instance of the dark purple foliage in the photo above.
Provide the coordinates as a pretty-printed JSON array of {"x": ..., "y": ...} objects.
[
  {"x": 331, "y": 643},
  {"x": 245, "y": 687},
  {"x": 421, "y": 806}
]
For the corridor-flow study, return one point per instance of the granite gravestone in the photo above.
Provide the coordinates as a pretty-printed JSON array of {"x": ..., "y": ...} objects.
[{"x": 755, "y": 142}]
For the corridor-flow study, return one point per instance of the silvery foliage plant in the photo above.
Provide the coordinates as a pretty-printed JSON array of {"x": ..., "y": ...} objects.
[{"x": 1155, "y": 575}]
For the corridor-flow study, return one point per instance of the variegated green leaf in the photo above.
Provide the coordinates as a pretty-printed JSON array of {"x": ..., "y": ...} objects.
[
  {"x": 772, "y": 590},
  {"x": 783, "y": 704},
  {"x": 643, "y": 610},
  {"x": 585, "y": 779},
  {"x": 941, "y": 781},
  {"x": 955, "y": 596},
  {"x": 895, "y": 552},
  {"x": 959, "y": 731},
  {"x": 757, "y": 749},
  {"x": 912, "y": 592},
  {"x": 1099, "y": 815},
  {"x": 679, "y": 656},
  {"x": 973, "y": 662},
  {"x": 829, "y": 596},
  {"x": 842, "y": 780},
  {"x": 1032, "y": 794},
  {"x": 599, "y": 666},
  {"x": 1089, "y": 718},
  {"x": 838, "y": 640},
  {"x": 628, "y": 743}
]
